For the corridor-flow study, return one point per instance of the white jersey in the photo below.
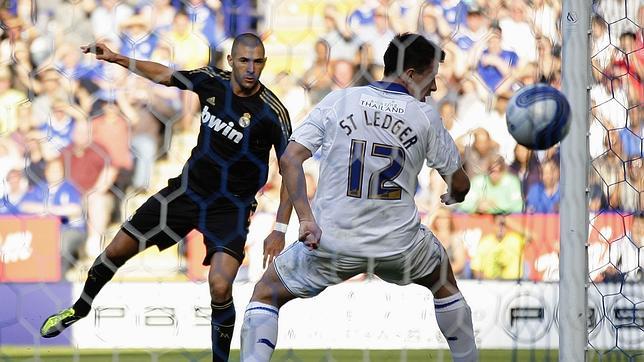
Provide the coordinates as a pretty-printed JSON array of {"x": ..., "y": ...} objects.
[{"x": 373, "y": 141}]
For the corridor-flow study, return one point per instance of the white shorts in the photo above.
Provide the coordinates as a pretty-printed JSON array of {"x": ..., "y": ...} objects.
[{"x": 306, "y": 273}]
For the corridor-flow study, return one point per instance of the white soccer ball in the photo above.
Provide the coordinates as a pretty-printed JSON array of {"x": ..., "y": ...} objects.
[{"x": 538, "y": 116}]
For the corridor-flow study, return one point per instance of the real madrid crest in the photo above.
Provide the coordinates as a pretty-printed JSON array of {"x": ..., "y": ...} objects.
[{"x": 244, "y": 120}]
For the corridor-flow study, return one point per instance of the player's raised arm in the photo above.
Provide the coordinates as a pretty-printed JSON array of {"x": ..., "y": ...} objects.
[{"x": 155, "y": 72}]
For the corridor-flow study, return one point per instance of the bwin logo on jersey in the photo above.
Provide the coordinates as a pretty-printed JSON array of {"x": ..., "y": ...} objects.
[{"x": 217, "y": 125}]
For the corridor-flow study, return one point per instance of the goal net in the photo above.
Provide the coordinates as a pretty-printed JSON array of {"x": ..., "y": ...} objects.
[{"x": 83, "y": 144}]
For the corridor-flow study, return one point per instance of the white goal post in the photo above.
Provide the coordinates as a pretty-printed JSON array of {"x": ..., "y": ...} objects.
[{"x": 575, "y": 165}]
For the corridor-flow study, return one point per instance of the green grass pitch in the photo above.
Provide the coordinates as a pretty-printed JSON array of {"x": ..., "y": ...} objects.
[
  {"x": 57, "y": 354},
  {"x": 47, "y": 354}
]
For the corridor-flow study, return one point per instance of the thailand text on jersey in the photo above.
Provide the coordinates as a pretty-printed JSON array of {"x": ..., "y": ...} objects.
[
  {"x": 373, "y": 141},
  {"x": 236, "y": 135}
]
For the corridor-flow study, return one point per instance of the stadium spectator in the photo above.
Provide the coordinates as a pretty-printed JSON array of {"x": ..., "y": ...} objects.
[
  {"x": 190, "y": 49},
  {"x": 544, "y": 15},
  {"x": 107, "y": 17},
  {"x": 632, "y": 135},
  {"x": 48, "y": 88},
  {"x": 518, "y": 34},
  {"x": 112, "y": 132},
  {"x": 496, "y": 63},
  {"x": 601, "y": 51},
  {"x": 88, "y": 169},
  {"x": 631, "y": 197},
  {"x": 626, "y": 253},
  {"x": 59, "y": 128},
  {"x": 473, "y": 31},
  {"x": 343, "y": 74},
  {"x": 16, "y": 187},
  {"x": 482, "y": 152},
  {"x": 495, "y": 192},
  {"x": 161, "y": 12},
  {"x": 10, "y": 100},
  {"x": 378, "y": 36},
  {"x": 442, "y": 225},
  {"x": 526, "y": 167},
  {"x": 549, "y": 65},
  {"x": 136, "y": 37},
  {"x": 432, "y": 25},
  {"x": 59, "y": 197},
  {"x": 344, "y": 43},
  {"x": 608, "y": 169},
  {"x": 317, "y": 79},
  {"x": 499, "y": 254},
  {"x": 543, "y": 197}
]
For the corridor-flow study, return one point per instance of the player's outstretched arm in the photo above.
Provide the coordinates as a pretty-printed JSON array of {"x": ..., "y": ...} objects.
[
  {"x": 274, "y": 243},
  {"x": 295, "y": 181},
  {"x": 155, "y": 72},
  {"x": 458, "y": 185}
]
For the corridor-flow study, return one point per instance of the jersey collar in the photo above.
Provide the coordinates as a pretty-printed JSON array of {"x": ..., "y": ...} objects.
[{"x": 389, "y": 86}]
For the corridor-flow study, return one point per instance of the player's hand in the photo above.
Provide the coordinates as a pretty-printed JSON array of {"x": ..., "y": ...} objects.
[
  {"x": 447, "y": 199},
  {"x": 101, "y": 50},
  {"x": 310, "y": 234},
  {"x": 273, "y": 245}
]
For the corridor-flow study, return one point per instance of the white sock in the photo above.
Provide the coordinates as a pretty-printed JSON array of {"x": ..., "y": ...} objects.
[
  {"x": 454, "y": 319},
  {"x": 259, "y": 332}
]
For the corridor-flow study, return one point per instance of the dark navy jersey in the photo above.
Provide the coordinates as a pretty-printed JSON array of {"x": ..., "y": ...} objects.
[{"x": 235, "y": 137}]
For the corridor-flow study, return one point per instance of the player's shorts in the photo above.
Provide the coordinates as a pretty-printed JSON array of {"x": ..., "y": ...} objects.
[
  {"x": 169, "y": 215},
  {"x": 306, "y": 273}
]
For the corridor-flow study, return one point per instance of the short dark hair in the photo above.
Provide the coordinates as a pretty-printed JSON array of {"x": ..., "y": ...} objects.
[
  {"x": 417, "y": 52},
  {"x": 247, "y": 39}
]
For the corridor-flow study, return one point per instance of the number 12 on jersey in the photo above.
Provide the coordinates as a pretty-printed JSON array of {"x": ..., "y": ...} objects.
[{"x": 381, "y": 186}]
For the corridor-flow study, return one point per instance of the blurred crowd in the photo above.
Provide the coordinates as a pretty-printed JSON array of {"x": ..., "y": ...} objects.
[{"x": 88, "y": 142}]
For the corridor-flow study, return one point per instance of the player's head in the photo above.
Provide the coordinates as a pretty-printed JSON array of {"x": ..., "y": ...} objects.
[
  {"x": 413, "y": 60},
  {"x": 247, "y": 60}
]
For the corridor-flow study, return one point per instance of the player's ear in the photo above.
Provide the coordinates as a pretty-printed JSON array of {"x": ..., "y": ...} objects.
[
  {"x": 230, "y": 60},
  {"x": 409, "y": 74}
]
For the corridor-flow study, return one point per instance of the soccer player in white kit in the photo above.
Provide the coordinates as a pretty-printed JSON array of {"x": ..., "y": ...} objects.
[{"x": 373, "y": 141}]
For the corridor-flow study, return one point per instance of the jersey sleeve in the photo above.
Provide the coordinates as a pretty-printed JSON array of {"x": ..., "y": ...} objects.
[
  {"x": 311, "y": 132},
  {"x": 442, "y": 153},
  {"x": 281, "y": 131},
  {"x": 194, "y": 79}
]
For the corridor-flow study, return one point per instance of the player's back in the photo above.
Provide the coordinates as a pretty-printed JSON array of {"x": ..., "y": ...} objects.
[{"x": 374, "y": 140}]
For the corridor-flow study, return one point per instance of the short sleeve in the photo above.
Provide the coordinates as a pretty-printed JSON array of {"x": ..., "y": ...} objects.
[
  {"x": 281, "y": 131},
  {"x": 194, "y": 79},
  {"x": 310, "y": 133},
  {"x": 442, "y": 153}
]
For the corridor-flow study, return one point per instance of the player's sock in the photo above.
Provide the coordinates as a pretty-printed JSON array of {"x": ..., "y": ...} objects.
[
  {"x": 259, "y": 332},
  {"x": 454, "y": 319},
  {"x": 98, "y": 275},
  {"x": 222, "y": 325}
]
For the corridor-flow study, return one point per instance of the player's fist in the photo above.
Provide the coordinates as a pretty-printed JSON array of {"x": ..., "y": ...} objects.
[
  {"x": 310, "y": 234},
  {"x": 101, "y": 50}
]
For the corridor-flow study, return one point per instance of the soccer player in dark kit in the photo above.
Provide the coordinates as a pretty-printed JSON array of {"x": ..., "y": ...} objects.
[{"x": 215, "y": 193}]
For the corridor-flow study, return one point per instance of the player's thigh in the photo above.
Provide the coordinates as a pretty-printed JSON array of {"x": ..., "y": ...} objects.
[
  {"x": 163, "y": 220},
  {"x": 306, "y": 273},
  {"x": 421, "y": 259},
  {"x": 271, "y": 290},
  {"x": 225, "y": 225}
]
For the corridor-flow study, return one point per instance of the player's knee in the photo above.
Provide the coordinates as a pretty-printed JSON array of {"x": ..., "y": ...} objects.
[
  {"x": 122, "y": 248},
  {"x": 263, "y": 293},
  {"x": 221, "y": 289}
]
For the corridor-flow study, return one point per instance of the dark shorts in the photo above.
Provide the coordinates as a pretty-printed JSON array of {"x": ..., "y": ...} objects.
[{"x": 169, "y": 215}]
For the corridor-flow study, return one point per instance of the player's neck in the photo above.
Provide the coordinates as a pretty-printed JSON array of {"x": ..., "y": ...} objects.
[
  {"x": 398, "y": 83},
  {"x": 244, "y": 92}
]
